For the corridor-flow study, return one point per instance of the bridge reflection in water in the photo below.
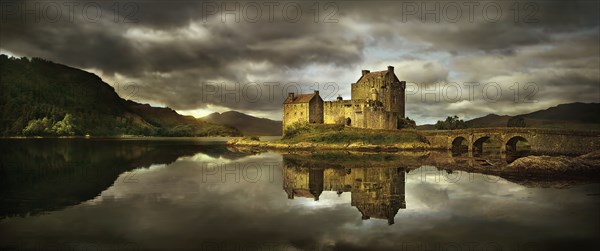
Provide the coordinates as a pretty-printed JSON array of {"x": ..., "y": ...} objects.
[{"x": 377, "y": 192}]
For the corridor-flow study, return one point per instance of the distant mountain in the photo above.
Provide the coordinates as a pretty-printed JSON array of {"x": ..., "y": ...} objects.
[
  {"x": 42, "y": 98},
  {"x": 572, "y": 115},
  {"x": 578, "y": 112},
  {"x": 177, "y": 124},
  {"x": 565, "y": 116},
  {"x": 426, "y": 127},
  {"x": 490, "y": 120},
  {"x": 247, "y": 124}
]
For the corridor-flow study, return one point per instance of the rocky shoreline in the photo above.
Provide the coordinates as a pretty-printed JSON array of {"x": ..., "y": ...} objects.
[
  {"x": 359, "y": 146},
  {"x": 529, "y": 165},
  {"x": 585, "y": 163}
]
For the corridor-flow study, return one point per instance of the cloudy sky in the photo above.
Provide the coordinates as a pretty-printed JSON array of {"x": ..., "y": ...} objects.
[{"x": 465, "y": 58}]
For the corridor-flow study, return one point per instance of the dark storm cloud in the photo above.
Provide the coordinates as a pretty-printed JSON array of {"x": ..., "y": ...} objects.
[
  {"x": 106, "y": 45},
  {"x": 171, "y": 49},
  {"x": 478, "y": 26}
]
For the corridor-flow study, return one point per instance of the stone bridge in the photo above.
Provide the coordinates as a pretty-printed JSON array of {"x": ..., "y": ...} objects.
[{"x": 541, "y": 141}]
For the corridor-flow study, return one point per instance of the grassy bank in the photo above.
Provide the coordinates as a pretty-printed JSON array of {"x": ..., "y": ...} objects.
[
  {"x": 339, "y": 134},
  {"x": 339, "y": 137}
]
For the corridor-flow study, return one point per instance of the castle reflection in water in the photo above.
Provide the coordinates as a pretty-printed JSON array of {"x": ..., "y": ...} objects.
[{"x": 377, "y": 192}]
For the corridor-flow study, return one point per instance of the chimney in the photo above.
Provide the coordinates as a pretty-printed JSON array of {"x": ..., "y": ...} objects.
[
  {"x": 364, "y": 72},
  {"x": 391, "y": 69},
  {"x": 290, "y": 95},
  {"x": 317, "y": 92}
]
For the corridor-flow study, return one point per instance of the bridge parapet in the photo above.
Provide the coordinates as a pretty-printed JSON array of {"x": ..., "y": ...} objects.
[
  {"x": 541, "y": 140},
  {"x": 514, "y": 130}
]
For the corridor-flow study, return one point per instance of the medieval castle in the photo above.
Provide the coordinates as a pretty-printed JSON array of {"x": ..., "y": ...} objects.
[{"x": 377, "y": 102}]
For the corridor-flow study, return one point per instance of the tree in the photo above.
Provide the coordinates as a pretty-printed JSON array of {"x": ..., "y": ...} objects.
[
  {"x": 516, "y": 122},
  {"x": 38, "y": 127},
  {"x": 64, "y": 127},
  {"x": 406, "y": 123},
  {"x": 451, "y": 123}
]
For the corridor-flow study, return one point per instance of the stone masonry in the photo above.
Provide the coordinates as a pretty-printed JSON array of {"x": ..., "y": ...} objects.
[{"x": 377, "y": 102}]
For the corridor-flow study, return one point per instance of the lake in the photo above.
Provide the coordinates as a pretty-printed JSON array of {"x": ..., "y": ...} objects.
[{"x": 198, "y": 194}]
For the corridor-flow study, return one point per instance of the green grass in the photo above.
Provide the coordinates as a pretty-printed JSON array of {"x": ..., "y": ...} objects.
[{"x": 338, "y": 134}]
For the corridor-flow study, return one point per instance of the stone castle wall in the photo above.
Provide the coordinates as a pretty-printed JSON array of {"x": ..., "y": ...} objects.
[
  {"x": 293, "y": 113},
  {"x": 377, "y": 102},
  {"x": 336, "y": 112},
  {"x": 379, "y": 119},
  {"x": 358, "y": 114},
  {"x": 316, "y": 111},
  {"x": 393, "y": 98},
  {"x": 360, "y": 91}
]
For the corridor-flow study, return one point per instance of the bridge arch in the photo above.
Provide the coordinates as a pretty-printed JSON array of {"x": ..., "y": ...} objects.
[
  {"x": 539, "y": 140},
  {"x": 511, "y": 143},
  {"x": 478, "y": 144},
  {"x": 459, "y": 144}
]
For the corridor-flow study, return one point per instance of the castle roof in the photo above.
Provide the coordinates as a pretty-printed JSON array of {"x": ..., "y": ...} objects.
[
  {"x": 370, "y": 76},
  {"x": 302, "y": 98}
]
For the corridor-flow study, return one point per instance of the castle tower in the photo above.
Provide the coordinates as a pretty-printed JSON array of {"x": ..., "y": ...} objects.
[
  {"x": 394, "y": 93},
  {"x": 384, "y": 85},
  {"x": 377, "y": 102}
]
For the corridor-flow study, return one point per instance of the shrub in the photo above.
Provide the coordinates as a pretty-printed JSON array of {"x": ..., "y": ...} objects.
[{"x": 295, "y": 129}]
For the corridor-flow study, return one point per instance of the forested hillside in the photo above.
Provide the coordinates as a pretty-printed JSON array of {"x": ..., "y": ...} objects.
[{"x": 42, "y": 98}]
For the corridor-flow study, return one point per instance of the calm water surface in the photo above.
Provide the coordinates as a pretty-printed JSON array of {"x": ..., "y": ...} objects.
[{"x": 185, "y": 194}]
